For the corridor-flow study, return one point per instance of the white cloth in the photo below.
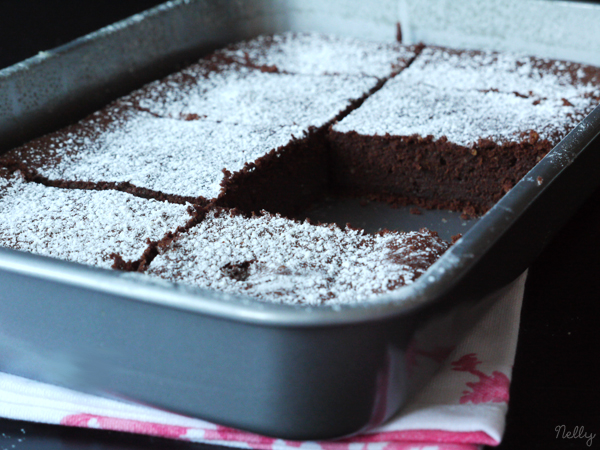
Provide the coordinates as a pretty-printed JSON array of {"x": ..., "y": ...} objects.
[{"x": 461, "y": 405}]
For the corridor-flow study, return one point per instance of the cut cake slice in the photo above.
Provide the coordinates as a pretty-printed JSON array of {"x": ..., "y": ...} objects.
[
  {"x": 431, "y": 138},
  {"x": 282, "y": 260},
  {"x": 319, "y": 54},
  {"x": 89, "y": 227}
]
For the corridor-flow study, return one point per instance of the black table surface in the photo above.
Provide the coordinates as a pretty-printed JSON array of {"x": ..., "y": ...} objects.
[{"x": 556, "y": 380}]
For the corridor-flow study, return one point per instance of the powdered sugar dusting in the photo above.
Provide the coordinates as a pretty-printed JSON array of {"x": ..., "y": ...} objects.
[
  {"x": 176, "y": 136},
  {"x": 504, "y": 72},
  {"x": 81, "y": 226},
  {"x": 280, "y": 260},
  {"x": 318, "y": 54},
  {"x": 241, "y": 95},
  {"x": 443, "y": 94},
  {"x": 462, "y": 116},
  {"x": 171, "y": 156}
]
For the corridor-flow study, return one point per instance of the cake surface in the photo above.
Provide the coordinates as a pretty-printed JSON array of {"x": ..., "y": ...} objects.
[
  {"x": 281, "y": 260},
  {"x": 241, "y": 95},
  {"x": 317, "y": 54},
  {"x": 175, "y": 139},
  {"x": 468, "y": 96},
  {"x": 180, "y": 158},
  {"x": 81, "y": 225},
  {"x": 258, "y": 131},
  {"x": 461, "y": 117},
  {"x": 522, "y": 75},
  {"x": 459, "y": 129}
]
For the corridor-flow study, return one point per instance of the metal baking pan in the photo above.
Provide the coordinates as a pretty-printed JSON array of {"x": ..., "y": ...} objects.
[{"x": 279, "y": 370}]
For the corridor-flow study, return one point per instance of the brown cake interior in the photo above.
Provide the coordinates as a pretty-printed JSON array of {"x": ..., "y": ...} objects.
[
  {"x": 285, "y": 181},
  {"x": 430, "y": 173}
]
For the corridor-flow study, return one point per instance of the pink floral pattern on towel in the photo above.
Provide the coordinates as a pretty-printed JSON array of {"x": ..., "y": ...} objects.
[
  {"x": 489, "y": 388},
  {"x": 126, "y": 425}
]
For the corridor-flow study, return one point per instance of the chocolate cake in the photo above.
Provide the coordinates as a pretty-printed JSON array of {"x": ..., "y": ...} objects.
[
  {"x": 214, "y": 124},
  {"x": 164, "y": 158},
  {"x": 281, "y": 260},
  {"x": 254, "y": 133},
  {"x": 316, "y": 54},
  {"x": 89, "y": 227},
  {"x": 240, "y": 95},
  {"x": 458, "y": 129}
]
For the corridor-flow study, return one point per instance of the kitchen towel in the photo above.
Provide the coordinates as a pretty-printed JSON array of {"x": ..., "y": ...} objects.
[{"x": 461, "y": 400}]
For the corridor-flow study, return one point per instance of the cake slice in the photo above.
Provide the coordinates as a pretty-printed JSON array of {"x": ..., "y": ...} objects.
[
  {"x": 180, "y": 160},
  {"x": 431, "y": 138},
  {"x": 525, "y": 76},
  {"x": 89, "y": 227},
  {"x": 280, "y": 260},
  {"x": 165, "y": 158},
  {"x": 240, "y": 95},
  {"x": 319, "y": 54},
  {"x": 299, "y": 79}
]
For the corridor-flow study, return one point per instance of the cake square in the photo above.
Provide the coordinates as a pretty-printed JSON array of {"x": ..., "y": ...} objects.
[
  {"x": 525, "y": 76},
  {"x": 83, "y": 226},
  {"x": 319, "y": 54},
  {"x": 281, "y": 260},
  {"x": 184, "y": 160},
  {"x": 452, "y": 130},
  {"x": 240, "y": 95}
]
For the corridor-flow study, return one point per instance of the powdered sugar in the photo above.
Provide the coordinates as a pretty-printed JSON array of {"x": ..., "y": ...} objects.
[
  {"x": 462, "y": 116},
  {"x": 503, "y": 72},
  {"x": 250, "y": 97},
  {"x": 445, "y": 94},
  {"x": 284, "y": 261},
  {"x": 81, "y": 226},
  {"x": 171, "y": 156},
  {"x": 177, "y": 138},
  {"x": 318, "y": 54}
]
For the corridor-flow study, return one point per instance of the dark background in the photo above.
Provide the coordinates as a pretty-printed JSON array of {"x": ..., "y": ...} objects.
[{"x": 556, "y": 377}]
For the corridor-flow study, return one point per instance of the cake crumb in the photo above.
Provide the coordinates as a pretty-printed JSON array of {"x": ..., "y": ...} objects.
[{"x": 540, "y": 181}]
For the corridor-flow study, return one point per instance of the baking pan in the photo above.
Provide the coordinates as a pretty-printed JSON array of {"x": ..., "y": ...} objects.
[{"x": 280, "y": 370}]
